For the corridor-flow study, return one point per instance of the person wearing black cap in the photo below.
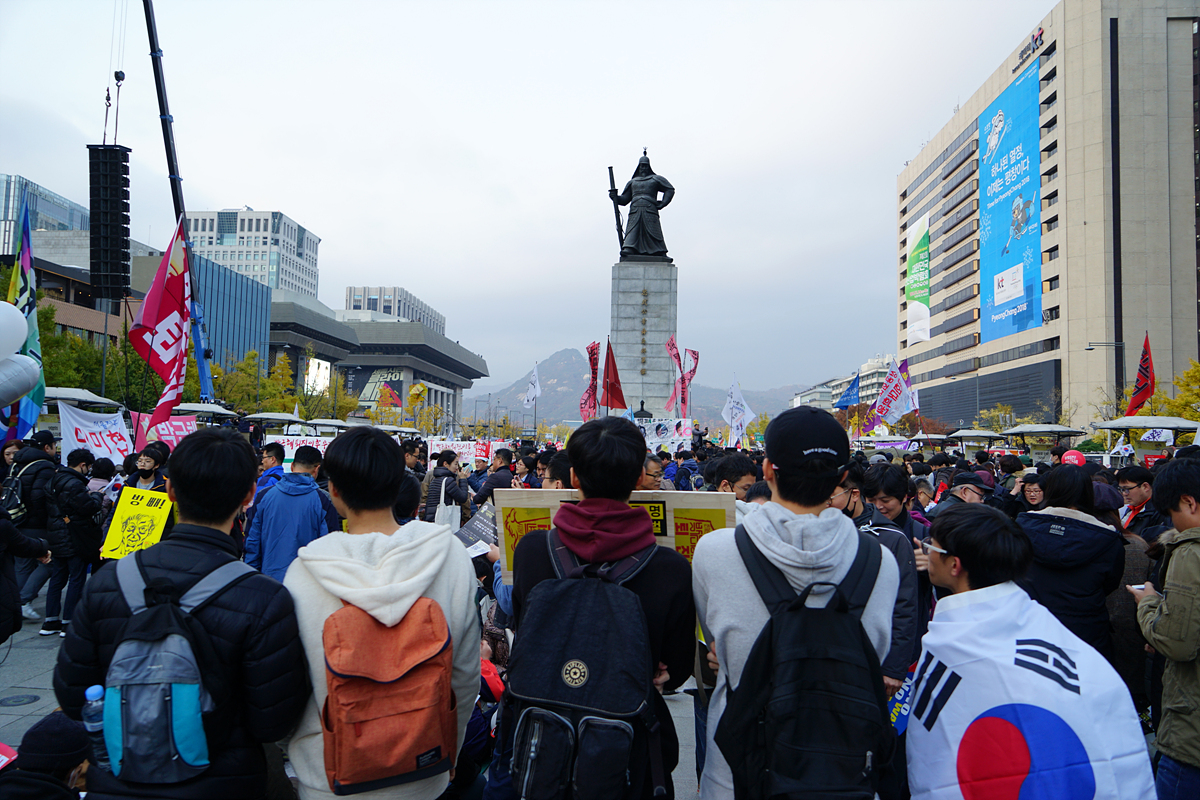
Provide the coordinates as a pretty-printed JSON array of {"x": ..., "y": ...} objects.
[
  {"x": 50, "y": 761},
  {"x": 35, "y": 466},
  {"x": 802, "y": 535},
  {"x": 967, "y": 487}
]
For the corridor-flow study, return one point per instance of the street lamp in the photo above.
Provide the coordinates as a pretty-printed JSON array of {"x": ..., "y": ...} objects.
[{"x": 1119, "y": 372}]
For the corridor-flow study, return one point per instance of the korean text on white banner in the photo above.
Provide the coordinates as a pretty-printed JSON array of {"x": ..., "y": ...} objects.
[
  {"x": 736, "y": 412},
  {"x": 465, "y": 450},
  {"x": 894, "y": 399},
  {"x": 672, "y": 435},
  {"x": 104, "y": 434},
  {"x": 292, "y": 443},
  {"x": 170, "y": 432}
]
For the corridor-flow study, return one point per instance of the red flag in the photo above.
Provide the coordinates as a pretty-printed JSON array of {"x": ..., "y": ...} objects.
[
  {"x": 685, "y": 394},
  {"x": 613, "y": 397},
  {"x": 1143, "y": 388},
  {"x": 587, "y": 403},
  {"x": 160, "y": 331}
]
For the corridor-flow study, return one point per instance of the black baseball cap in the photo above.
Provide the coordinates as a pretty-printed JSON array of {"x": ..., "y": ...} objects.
[
  {"x": 802, "y": 434},
  {"x": 42, "y": 439},
  {"x": 967, "y": 478}
]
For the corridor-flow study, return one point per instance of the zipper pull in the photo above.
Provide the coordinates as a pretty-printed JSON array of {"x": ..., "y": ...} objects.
[{"x": 867, "y": 771}]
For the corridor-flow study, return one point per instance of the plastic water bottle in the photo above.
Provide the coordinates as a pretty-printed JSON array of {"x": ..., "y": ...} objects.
[{"x": 93, "y": 721}]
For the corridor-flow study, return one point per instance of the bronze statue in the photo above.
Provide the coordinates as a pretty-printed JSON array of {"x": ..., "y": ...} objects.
[{"x": 642, "y": 239}]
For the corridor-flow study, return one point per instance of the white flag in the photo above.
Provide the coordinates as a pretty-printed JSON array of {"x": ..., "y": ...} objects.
[
  {"x": 1007, "y": 701},
  {"x": 736, "y": 412},
  {"x": 1160, "y": 435},
  {"x": 534, "y": 391},
  {"x": 895, "y": 400}
]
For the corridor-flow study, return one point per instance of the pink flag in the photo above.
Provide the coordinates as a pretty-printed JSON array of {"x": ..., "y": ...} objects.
[
  {"x": 587, "y": 403},
  {"x": 673, "y": 351},
  {"x": 685, "y": 394},
  {"x": 160, "y": 331}
]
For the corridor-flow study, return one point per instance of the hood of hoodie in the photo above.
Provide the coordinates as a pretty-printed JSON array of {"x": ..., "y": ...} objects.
[
  {"x": 1064, "y": 538},
  {"x": 381, "y": 573},
  {"x": 805, "y": 546},
  {"x": 296, "y": 484},
  {"x": 603, "y": 530}
]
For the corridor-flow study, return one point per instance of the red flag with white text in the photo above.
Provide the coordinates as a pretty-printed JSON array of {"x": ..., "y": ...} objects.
[
  {"x": 1143, "y": 388},
  {"x": 160, "y": 331}
]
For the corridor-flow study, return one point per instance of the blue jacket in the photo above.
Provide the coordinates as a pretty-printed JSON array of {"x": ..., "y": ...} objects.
[
  {"x": 268, "y": 478},
  {"x": 288, "y": 516}
]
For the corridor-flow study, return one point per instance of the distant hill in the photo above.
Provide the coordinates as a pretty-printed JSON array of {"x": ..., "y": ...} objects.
[{"x": 564, "y": 376}]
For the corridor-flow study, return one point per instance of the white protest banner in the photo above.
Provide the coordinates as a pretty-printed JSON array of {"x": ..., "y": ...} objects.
[
  {"x": 103, "y": 434},
  {"x": 736, "y": 412},
  {"x": 170, "y": 432},
  {"x": 669, "y": 434},
  {"x": 1160, "y": 435},
  {"x": 894, "y": 398},
  {"x": 465, "y": 450},
  {"x": 293, "y": 443}
]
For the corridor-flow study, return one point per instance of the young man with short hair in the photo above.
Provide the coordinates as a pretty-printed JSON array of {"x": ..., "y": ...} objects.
[
  {"x": 805, "y": 538},
  {"x": 1008, "y": 700},
  {"x": 736, "y": 474},
  {"x": 382, "y": 569},
  {"x": 273, "y": 456},
  {"x": 34, "y": 466},
  {"x": 607, "y": 456},
  {"x": 500, "y": 478},
  {"x": 73, "y": 536},
  {"x": 251, "y": 626},
  {"x": 1139, "y": 514},
  {"x": 288, "y": 516},
  {"x": 1171, "y": 624},
  {"x": 558, "y": 472}
]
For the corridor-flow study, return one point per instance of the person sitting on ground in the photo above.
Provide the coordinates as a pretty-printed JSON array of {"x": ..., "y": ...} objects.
[
  {"x": 288, "y": 515},
  {"x": 51, "y": 761},
  {"x": 801, "y": 534},
  {"x": 251, "y": 626},
  {"x": 383, "y": 570},
  {"x": 1077, "y": 559},
  {"x": 994, "y": 687}
]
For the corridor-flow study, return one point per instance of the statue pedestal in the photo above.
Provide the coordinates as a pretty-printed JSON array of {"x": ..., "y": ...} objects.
[{"x": 644, "y": 313}]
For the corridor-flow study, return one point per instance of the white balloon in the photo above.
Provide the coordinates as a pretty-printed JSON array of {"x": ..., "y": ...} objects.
[
  {"x": 18, "y": 375},
  {"x": 13, "y": 328}
]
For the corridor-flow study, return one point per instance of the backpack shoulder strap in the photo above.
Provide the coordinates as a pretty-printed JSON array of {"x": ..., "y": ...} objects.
[
  {"x": 860, "y": 579},
  {"x": 769, "y": 580},
  {"x": 566, "y": 564},
  {"x": 625, "y": 569},
  {"x": 132, "y": 582},
  {"x": 213, "y": 584}
]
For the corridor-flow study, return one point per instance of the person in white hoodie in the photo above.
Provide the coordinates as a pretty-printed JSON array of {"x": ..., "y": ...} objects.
[
  {"x": 802, "y": 535},
  {"x": 382, "y": 569}
]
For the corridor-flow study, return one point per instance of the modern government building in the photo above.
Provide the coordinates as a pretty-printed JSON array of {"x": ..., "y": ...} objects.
[{"x": 1061, "y": 204}]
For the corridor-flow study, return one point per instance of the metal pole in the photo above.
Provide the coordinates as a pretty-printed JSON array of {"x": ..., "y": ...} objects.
[{"x": 104, "y": 358}]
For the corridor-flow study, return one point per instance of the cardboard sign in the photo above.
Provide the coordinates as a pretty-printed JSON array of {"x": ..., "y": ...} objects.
[
  {"x": 170, "y": 432},
  {"x": 105, "y": 435},
  {"x": 138, "y": 522},
  {"x": 679, "y": 518}
]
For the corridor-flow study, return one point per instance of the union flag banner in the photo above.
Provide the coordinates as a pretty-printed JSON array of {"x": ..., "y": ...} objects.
[
  {"x": 1143, "y": 388},
  {"x": 160, "y": 331}
]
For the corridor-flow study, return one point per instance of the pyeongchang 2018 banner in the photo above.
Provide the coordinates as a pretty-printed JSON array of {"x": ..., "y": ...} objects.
[{"x": 1010, "y": 230}]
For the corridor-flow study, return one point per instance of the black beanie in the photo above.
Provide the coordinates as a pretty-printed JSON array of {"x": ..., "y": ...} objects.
[{"x": 55, "y": 743}]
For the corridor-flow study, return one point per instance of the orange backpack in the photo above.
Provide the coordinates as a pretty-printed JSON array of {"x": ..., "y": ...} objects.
[{"x": 390, "y": 715}]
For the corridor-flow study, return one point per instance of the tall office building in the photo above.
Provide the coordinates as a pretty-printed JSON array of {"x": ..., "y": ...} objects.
[
  {"x": 396, "y": 302},
  {"x": 268, "y": 246},
  {"x": 1058, "y": 208},
  {"x": 47, "y": 211}
]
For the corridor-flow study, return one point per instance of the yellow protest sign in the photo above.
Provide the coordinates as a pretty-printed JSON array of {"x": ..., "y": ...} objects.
[
  {"x": 692, "y": 523},
  {"x": 516, "y": 522},
  {"x": 138, "y": 522}
]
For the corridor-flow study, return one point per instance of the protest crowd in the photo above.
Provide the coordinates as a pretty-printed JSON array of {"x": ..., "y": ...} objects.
[{"x": 884, "y": 626}]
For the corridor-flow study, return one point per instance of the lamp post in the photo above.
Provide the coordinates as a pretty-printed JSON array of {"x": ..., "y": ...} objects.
[{"x": 1118, "y": 372}]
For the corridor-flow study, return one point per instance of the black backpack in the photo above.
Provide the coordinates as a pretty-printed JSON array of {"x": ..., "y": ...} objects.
[
  {"x": 809, "y": 718},
  {"x": 580, "y": 683},
  {"x": 10, "y": 495}
]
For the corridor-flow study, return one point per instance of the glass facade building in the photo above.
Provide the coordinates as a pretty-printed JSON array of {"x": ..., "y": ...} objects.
[
  {"x": 237, "y": 311},
  {"x": 47, "y": 210}
]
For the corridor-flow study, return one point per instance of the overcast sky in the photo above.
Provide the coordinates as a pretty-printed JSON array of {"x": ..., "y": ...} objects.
[{"x": 460, "y": 150}]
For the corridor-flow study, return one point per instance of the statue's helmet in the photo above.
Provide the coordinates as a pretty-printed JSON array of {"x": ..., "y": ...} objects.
[{"x": 643, "y": 167}]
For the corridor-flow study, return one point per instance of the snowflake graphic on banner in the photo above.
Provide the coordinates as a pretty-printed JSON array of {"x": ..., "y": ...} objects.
[
  {"x": 1029, "y": 255},
  {"x": 985, "y": 231}
]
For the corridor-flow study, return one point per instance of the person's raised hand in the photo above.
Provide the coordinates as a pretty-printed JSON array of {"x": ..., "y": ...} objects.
[
  {"x": 493, "y": 553},
  {"x": 1146, "y": 590},
  {"x": 920, "y": 557}
]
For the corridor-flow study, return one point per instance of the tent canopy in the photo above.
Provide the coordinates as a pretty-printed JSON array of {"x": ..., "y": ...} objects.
[
  {"x": 971, "y": 433},
  {"x": 78, "y": 397},
  {"x": 283, "y": 419},
  {"x": 1165, "y": 423},
  {"x": 328, "y": 423},
  {"x": 204, "y": 409}
]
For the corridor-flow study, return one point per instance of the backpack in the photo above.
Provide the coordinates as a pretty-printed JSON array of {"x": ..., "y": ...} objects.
[
  {"x": 581, "y": 684},
  {"x": 10, "y": 495},
  {"x": 809, "y": 717},
  {"x": 685, "y": 480},
  {"x": 390, "y": 716},
  {"x": 163, "y": 680}
]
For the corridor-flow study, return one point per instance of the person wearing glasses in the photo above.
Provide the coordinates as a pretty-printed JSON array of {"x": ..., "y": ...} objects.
[
  {"x": 966, "y": 487},
  {"x": 736, "y": 473},
  {"x": 1077, "y": 559},
  {"x": 652, "y": 476},
  {"x": 1139, "y": 514}
]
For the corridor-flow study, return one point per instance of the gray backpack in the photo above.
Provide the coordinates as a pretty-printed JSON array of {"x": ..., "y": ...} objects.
[{"x": 164, "y": 679}]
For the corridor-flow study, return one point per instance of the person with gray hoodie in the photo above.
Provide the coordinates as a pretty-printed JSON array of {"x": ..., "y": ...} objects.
[
  {"x": 800, "y": 533},
  {"x": 383, "y": 569}
]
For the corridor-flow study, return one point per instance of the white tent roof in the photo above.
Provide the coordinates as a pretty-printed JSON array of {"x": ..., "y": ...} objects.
[
  {"x": 204, "y": 408},
  {"x": 328, "y": 423},
  {"x": 971, "y": 433},
  {"x": 1166, "y": 423},
  {"x": 78, "y": 397},
  {"x": 274, "y": 417},
  {"x": 1043, "y": 429}
]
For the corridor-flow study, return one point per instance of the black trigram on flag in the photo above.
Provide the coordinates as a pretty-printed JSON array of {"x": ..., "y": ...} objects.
[
  {"x": 1049, "y": 661},
  {"x": 930, "y": 698}
]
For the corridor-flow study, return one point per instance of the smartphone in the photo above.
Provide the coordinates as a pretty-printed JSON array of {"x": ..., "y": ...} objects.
[{"x": 1141, "y": 587}]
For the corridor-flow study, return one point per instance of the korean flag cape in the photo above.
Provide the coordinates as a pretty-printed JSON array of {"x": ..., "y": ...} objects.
[{"x": 1007, "y": 703}]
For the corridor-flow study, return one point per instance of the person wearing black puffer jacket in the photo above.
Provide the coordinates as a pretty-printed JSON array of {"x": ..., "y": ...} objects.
[
  {"x": 34, "y": 466},
  {"x": 1077, "y": 559},
  {"x": 14, "y": 544},
  {"x": 447, "y": 474},
  {"x": 67, "y": 527},
  {"x": 251, "y": 625}
]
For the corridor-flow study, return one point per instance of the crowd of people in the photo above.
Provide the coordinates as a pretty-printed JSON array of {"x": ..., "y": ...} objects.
[{"x": 316, "y": 619}]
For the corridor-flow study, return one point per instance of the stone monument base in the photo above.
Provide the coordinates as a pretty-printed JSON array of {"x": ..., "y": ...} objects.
[{"x": 644, "y": 316}]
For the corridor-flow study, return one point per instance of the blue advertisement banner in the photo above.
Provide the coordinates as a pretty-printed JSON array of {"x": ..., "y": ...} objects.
[{"x": 1010, "y": 229}]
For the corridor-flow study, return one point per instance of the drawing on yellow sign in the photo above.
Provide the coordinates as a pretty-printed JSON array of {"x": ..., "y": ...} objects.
[
  {"x": 520, "y": 521},
  {"x": 692, "y": 523},
  {"x": 138, "y": 522}
]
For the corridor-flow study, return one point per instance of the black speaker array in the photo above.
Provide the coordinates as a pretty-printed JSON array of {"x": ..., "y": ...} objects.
[{"x": 108, "y": 169}]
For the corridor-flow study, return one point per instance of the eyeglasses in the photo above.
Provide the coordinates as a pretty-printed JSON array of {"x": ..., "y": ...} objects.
[
  {"x": 654, "y": 475},
  {"x": 836, "y": 495},
  {"x": 926, "y": 547},
  {"x": 1127, "y": 489},
  {"x": 743, "y": 488}
]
